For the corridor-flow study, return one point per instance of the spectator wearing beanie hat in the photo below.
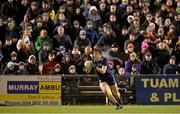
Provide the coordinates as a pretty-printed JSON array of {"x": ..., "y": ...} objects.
[
  {"x": 32, "y": 66},
  {"x": 144, "y": 47},
  {"x": 82, "y": 41},
  {"x": 94, "y": 16},
  {"x": 10, "y": 69},
  {"x": 133, "y": 60},
  {"x": 14, "y": 57},
  {"x": 22, "y": 69}
]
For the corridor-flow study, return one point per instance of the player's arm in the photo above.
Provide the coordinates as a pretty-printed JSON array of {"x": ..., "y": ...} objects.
[{"x": 102, "y": 70}]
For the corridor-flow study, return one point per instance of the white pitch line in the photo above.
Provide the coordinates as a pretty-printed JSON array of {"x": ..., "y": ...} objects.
[{"x": 91, "y": 113}]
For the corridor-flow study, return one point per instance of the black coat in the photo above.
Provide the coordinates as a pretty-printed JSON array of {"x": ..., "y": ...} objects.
[
  {"x": 149, "y": 67},
  {"x": 170, "y": 69},
  {"x": 32, "y": 69}
]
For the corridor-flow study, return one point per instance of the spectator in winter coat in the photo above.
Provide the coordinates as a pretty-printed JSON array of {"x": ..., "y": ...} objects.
[
  {"x": 82, "y": 41},
  {"x": 49, "y": 65},
  {"x": 79, "y": 17},
  {"x": 171, "y": 67},
  {"x": 43, "y": 55},
  {"x": 22, "y": 69},
  {"x": 56, "y": 70},
  {"x": 148, "y": 65},
  {"x": 9, "y": 9},
  {"x": 115, "y": 55},
  {"x": 32, "y": 66},
  {"x": 161, "y": 54},
  {"x": 91, "y": 32},
  {"x": 133, "y": 60},
  {"x": 62, "y": 39},
  {"x": 32, "y": 12},
  {"x": 67, "y": 63},
  {"x": 94, "y": 16},
  {"x": 107, "y": 39},
  {"x": 43, "y": 38},
  {"x": 10, "y": 69},
  {"x": 7, "y": 49}
]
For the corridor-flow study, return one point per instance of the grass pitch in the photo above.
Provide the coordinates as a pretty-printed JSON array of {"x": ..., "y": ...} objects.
[{"x": 128, "y": 109}]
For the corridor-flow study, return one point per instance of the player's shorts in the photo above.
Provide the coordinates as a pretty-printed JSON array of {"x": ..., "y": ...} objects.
[{"x": 108, "y": 79}]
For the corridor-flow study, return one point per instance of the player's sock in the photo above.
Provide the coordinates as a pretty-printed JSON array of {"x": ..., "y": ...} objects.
[
  {"x": 118, "y": 106},
  {"x": 120, "y": 101}
]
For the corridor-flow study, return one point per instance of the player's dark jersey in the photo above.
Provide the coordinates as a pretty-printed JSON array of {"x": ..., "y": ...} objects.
[{"x": 109, "y": 75}]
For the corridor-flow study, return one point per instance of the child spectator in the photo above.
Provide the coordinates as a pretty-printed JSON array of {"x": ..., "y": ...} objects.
[
  {"x": 133, "y": 60},
  {"x": 22, "y": 69}
]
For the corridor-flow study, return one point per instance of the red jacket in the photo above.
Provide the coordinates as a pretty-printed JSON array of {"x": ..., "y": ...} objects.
[{"x": 48, "y": 67}]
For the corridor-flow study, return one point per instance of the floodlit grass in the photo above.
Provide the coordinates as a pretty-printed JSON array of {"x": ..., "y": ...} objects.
[{"x": 128, "y": 109}]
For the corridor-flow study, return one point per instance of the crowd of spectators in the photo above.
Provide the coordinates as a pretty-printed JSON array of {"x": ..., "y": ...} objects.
[{"x": 57, "y": 36}]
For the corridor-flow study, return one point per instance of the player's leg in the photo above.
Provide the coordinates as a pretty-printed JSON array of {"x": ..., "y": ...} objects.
[
  {"x": 116, "y": 93},
  {"x": 108, "y": 93}
]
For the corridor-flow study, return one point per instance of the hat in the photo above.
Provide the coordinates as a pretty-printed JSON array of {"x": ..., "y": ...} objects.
[
  {"x": 8, "y": 38},
  {"x": 173, "y": 57},
  {"x": 61, "y": 48},
  {"x": 106, "y": 25},
  {"x": 130, "y": 46},
  {"x": 130, "y": 16},
  {"x": 148, "y": 54},
  {"x": 149, "y": 15},
  {"x": 133, "y": 54},
  {"x": 114, "y": 45},
  {"x": 145, "y": 44},
  {"x": 57, "y": 66},
  {"x": 92, "y": 8},
  {"x": 45, "y": 2},
  {"x": 125, "y": 1},
  {"x": 31, "y": 57},
  {"x": 10, "y": 64},
  {"x": 90, "y": 22},
  {"x": 21, "y": 63},
  {"x": 82, "y": 32},
  {"x": 34, "y": 3},
  {"x": 136, "y": 19},
  {"x": 13, "y": 54},
  {"x": 45, "y": 44},
  {"x": 45, "y": 14},
  {"x": 72, "y": 67}
]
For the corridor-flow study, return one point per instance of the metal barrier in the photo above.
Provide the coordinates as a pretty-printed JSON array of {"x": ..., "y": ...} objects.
[{"x": 84, "y": 89}]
